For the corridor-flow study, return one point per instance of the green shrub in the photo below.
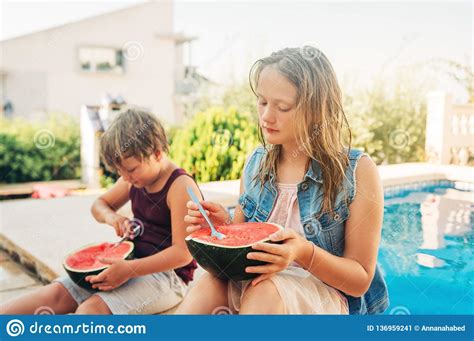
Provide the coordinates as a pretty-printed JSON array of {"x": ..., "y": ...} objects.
[
  {"x": 215, "y": 143},
  {"x": 388, "y": 121},
  {"x": 241, "y": 97},
  {"x": 39, "y": 151}
]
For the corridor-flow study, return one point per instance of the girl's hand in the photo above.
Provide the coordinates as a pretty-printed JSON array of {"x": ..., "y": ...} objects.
[
  {"x": 217, "y": 213},
  {"x": 114, "y": 276},
  {"x": 279, "y": 256}
]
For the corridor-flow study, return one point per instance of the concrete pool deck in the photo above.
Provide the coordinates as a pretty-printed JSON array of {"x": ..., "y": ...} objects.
[
  {"x": 39, "y": 233},
  {"x": 15, "y": 280}
]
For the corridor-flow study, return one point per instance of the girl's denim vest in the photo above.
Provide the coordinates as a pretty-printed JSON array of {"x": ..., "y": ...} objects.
[{"x": 326, "y": 231}]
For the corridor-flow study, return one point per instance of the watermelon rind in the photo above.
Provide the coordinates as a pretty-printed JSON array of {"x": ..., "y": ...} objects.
[
  {"x": 78, "y": 275},
  {"x": 225, "y": 262}
]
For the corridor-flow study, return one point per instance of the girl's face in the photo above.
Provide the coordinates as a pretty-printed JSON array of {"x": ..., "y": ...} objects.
[
  {"x": 276, "y": 106},
  {"x": 140, "y": 174}
]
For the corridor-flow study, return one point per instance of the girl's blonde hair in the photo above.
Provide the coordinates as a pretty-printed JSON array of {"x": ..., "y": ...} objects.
[{"x": 322, "y": 125}]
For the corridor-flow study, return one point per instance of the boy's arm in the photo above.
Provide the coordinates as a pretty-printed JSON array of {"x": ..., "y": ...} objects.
[
  {"x": 104, "y": 208},
  {"x": 177, "y": 255}
]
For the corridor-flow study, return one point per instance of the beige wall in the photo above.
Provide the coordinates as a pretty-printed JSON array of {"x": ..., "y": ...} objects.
[
  {"x": 449, "y": 129},
  {"x": 42, "y": 69}
]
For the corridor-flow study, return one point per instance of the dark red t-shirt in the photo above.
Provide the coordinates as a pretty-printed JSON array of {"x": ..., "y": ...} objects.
[{"x": 152, "y": 210}]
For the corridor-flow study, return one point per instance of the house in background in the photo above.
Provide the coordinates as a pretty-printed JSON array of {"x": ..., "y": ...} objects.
[{"x": 132, "y": 53}]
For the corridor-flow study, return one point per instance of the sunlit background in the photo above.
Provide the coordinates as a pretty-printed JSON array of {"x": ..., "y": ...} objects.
[{"x": 406, "y": 70}]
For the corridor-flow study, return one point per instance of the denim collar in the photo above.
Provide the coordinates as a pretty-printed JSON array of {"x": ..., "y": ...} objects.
[{"x": 314, "y": 173}]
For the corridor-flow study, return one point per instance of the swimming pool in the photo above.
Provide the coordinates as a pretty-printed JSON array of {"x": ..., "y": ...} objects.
[{"x": 426, "y": 250}]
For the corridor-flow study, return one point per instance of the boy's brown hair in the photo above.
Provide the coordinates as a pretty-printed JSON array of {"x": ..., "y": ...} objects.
[{"x": 133, "y": 133}]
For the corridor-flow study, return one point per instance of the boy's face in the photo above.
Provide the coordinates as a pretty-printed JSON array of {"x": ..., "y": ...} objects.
[{"x": 140, "y": 173}]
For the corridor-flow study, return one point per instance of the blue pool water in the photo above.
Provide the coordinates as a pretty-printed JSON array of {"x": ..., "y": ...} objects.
[{"x": 426, "y": 252}]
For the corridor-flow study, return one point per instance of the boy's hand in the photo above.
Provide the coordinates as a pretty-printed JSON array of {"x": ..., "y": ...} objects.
[
  {"x": 121, "y": 224},
  {"x": 217, "y": 213},
  {"x": 114, "y": 276}
]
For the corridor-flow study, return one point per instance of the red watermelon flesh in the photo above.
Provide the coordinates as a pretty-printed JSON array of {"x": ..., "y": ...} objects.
[
  {"x": 227, "y": 258},
  {"x": 88, "y": 258},
  {"x": 237, "y": 234}
]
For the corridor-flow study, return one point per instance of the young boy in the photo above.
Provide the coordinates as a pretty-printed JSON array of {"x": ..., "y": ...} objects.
[{"x": 135, "y": 146}]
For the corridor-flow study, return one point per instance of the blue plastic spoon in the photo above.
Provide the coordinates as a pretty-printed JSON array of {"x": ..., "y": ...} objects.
[{"x": 194, "y": 198}]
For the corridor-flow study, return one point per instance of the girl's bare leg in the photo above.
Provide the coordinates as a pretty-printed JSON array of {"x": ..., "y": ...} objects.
[
  {"x": 262, "y": 299},
  {"x": 208, "y": 294}
]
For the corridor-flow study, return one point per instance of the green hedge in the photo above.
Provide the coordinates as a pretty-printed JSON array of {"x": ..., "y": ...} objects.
[
  {"x": 39, "y": 152},
  {"x": 215, "y": 143},
  {"x": 389, "y": 122},
  {"x": 387, "y": 119}
]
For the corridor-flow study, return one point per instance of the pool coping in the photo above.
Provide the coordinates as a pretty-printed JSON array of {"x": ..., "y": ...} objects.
[{"x": 406, "y": 173}]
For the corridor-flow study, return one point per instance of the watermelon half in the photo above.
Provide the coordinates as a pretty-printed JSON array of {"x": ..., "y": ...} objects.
[
  {"x": 227, "y": 258},
  {"x": 85, "y": 261}
]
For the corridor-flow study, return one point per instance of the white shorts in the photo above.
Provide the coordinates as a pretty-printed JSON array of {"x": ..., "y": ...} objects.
[
  {"x": 301, "y": 292},
  {"x": 150, "y": 294}
]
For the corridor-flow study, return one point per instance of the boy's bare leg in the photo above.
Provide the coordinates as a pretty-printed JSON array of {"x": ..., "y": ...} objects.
[
  {"x": 208, "y": 294},
  {"x": 94, "y": 305},
  {"x": 52, "y": 297}
]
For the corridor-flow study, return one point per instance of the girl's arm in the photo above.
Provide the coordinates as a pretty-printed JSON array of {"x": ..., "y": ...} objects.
[
  {"x": 352, "y": 273},
  {"x": 238, "y": 214},
  {"x": 216, "y": 212}
]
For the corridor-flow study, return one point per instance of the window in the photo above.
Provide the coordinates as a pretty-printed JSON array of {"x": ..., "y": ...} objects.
[{"x": 101, "y": 59}]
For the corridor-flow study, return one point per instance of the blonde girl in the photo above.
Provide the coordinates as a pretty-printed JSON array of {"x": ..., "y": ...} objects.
[{"x": 305, "y": 177}]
